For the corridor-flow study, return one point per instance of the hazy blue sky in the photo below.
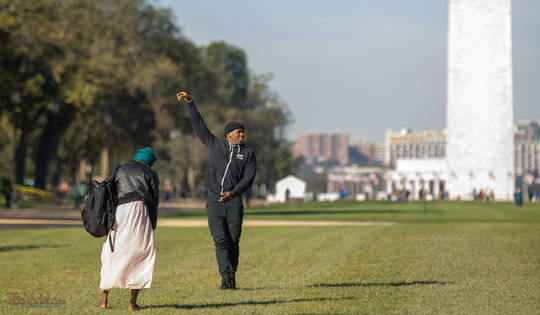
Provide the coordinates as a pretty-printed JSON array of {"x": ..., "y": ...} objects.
[{"x": 358, "y": 67}]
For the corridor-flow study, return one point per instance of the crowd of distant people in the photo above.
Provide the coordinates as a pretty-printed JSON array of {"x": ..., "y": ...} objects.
[
  {"x": 483, "y": 195},
  {"x": 405, "y": 195}
]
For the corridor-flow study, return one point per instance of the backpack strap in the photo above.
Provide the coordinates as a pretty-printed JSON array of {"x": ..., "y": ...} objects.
[
  {"x": 113, "y": 175},
  {"x": 110, "y": 241},
  {"x": 112, "y": 180}
]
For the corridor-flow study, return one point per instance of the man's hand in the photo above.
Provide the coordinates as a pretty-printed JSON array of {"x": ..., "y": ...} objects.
[
  {"x": 226, "y": 196},
  {"x": 183, "y": 96}
]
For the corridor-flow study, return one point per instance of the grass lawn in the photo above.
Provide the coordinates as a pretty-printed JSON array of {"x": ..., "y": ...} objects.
[
  {"x": 434, "y": 211},
  {"x": 461, "y": 258}
]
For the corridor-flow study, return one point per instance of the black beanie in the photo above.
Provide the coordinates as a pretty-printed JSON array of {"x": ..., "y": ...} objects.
[{"x": 233, "y": 125}]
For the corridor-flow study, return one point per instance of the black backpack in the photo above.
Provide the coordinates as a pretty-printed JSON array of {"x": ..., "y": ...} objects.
[{"x": 99, "y": 208}]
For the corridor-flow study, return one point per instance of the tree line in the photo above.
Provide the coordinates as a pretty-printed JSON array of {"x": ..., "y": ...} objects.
[{"x": 84, "y": 77}]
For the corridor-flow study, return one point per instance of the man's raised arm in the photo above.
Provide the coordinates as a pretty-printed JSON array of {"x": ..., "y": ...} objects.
[{"x": 197, "y": 122}]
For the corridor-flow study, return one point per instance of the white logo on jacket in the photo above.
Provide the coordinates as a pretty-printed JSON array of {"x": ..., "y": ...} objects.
[{"x": 240, "y": 156}]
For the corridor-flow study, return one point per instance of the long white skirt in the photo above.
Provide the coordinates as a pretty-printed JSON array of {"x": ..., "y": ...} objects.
[{"x": 131, "y": 264}]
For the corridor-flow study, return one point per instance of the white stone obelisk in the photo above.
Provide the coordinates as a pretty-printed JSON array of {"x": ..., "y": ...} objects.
[{"x": 480, "y": 141}]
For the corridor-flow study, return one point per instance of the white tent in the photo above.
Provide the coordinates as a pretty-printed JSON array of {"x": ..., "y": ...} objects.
[{"x": 291, "y": 187}]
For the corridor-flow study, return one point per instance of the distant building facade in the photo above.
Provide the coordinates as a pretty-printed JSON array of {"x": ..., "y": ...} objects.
[
  {"x": 380, "y": 151},
  {"x": 368, "y": 150},
  {"x": 527, "y": 157},
  {"x": 527, "y": 131},
  {"x": 405, "y": 144},
  {"x": 418, "y": 178},
  {"x": 322, "y": 147},
  {"x": 527, "y": 147},
  {"x": 356, "y": 180}
]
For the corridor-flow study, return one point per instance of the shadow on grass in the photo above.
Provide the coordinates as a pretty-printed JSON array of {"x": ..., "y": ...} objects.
[
  {"x": 379, "y": 284},
  {"x": 252, "y": 289},
  {"x": 216, "y": 305},
  {"x": 25, "y": 247}
]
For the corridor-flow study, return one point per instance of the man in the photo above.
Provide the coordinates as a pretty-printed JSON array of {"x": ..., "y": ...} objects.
[{"x": 230, "y": 172}]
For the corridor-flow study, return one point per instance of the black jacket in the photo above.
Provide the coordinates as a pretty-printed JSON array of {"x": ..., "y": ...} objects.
[
  {"x": 135, "y": 181},
  {"x": 230, "y": 167}
]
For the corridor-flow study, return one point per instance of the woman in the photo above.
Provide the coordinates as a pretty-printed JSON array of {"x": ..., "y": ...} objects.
[{"x": 131, "y": 263}]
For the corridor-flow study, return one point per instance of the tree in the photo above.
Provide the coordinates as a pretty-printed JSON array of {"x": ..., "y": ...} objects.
[
  {"x": 83, "y": 75},
  {"x": 230, "y": 65},
  {"x": 28, "y": 57}
]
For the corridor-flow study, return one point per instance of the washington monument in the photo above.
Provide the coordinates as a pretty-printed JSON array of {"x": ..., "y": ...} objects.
[{"x": 480, "y": 143}]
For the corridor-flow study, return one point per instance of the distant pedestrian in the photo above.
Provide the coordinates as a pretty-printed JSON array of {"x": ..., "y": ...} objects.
[
  {"x": 131, "y": 264},
  {"x": 167, "y": 189},
  {"x": 481, "y": 195},
  {"x": 6, "y": 191},
  {"x": 80, "y": 190},
  {"x": 229, "y": 173},
  {"x": 247, "y": 197},
  {"x": 519, "y": 197}
]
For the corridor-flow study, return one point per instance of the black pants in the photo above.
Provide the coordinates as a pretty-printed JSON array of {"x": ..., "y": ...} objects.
[{"x": 225, "y": 222}]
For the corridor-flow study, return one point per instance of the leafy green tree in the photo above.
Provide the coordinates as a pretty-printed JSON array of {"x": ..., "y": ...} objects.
[
  {"x": 82, "y": 75},
  {"x": 230, "y": 65},
  {"x": 29, "y": 57}
]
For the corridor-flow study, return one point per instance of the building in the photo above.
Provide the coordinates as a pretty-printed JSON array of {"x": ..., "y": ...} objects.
[
  {"x": 527, "y": 157},
  {"x": 405, "y": 144},
  {"x": 367, "y": 150},
  {"x": 527, "y": 131},
  {"x": 322, "y": 147},
  {"x": 412, "y": 176},
  {"x": 356, "y": 180},
  {"x": 288, "y": 189},
  {"x": 527, "y": 147},
  {"x": 380, "y": 152},
  {"x": 479, "y": 129}
]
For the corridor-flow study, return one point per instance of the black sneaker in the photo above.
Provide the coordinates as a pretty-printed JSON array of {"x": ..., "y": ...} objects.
[
  {"x": 224, "y": 283},
  {"x": 232, "y": 282}
]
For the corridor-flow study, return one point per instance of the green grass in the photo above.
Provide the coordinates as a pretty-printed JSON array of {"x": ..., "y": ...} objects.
[
  {"x": 62, "y": 200},
  {"x": 436, "y": 211},
  {"x": 478, "y": 261}
]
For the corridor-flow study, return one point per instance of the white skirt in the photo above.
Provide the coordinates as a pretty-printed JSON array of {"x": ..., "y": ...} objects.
[{"x": 131, "y": 264}]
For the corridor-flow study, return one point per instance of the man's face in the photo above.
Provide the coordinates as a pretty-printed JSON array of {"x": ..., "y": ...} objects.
[{"x": 236, "y": 136}]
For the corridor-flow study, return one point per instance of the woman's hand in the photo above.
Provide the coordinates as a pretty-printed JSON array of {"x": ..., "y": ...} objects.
[{"x": 183, "y": 96}]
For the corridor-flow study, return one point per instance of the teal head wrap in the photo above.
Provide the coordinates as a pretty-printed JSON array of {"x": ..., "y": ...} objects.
[{"x": 146, "y": 155}]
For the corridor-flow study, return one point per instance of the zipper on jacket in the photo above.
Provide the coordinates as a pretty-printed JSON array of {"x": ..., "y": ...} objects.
[{"x": 227, "y": 168}]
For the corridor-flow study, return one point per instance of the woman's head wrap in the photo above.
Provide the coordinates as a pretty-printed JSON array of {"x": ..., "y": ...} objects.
[{"x": 146, "y": 155}]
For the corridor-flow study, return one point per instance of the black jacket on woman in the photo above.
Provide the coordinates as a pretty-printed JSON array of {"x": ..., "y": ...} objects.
[{"x": 135, "y": 181}]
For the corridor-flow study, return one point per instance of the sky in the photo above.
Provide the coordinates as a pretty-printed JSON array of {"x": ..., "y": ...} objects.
[{"x": 360, "y": 66}]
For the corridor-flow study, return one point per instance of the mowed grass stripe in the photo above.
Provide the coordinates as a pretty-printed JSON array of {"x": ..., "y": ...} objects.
[
  {"x": 404, "y": 268},
  {"x": 433, "y": 211}
]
